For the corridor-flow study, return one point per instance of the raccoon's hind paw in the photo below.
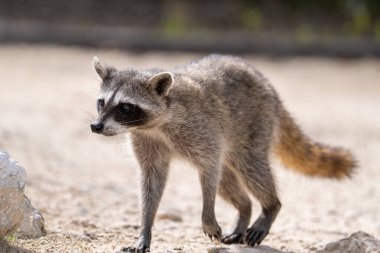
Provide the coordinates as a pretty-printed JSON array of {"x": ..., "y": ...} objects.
[
  {"x": 255, "y": 235},
  {"x": 233, "y": 238}
]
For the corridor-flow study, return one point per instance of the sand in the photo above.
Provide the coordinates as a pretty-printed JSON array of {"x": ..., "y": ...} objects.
[{"x": 87, "y": 186}]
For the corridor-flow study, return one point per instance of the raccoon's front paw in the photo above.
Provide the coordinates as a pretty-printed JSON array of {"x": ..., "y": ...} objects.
[
  {"x": 134, "y": 249},
  {"x": 212, "y": 230},
  {"x": 141, "y": 246},
  {"x": 256, "y": 234}
]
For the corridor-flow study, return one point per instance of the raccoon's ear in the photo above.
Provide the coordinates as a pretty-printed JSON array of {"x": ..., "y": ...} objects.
[
  {"x": 102, "y": 71},
  {"x": 161, "y": 83}
]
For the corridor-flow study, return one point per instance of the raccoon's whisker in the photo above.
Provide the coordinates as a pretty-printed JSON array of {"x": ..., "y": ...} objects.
[
  {"x": 86, "y": 120},
  {"x": 87, "y": 116},
  {"x": 86, "y": 111}
]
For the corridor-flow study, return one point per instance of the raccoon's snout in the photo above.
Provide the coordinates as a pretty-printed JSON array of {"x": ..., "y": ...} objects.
[{"x": 97, "y": 127}]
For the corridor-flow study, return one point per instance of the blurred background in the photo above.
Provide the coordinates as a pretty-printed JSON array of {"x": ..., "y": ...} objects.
[
  {"x": 344, "y": 28},
  {"x": 321, "y": 57}
]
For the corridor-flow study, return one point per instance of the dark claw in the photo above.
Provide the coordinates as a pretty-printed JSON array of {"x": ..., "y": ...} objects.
[
  {"x": 127, "y": 249},
  {"x": 134, "y": 250},
  {"x": 233, "y": 238},
  {"x": 219, "y": 235},
  {"x": 249, "y": 237},
  {"x": 212, "y": 237},
  {"x": 255, "y": 236},
  {"x": 250, "y": 242},
  {"x": 262, "y": 238}
]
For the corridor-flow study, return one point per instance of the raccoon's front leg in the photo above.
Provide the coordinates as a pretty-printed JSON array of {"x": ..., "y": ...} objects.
[
  {"x": 209, "y": 184},
  {"x": 153, "y": 158},
  {"x": 153, "y": 183}
]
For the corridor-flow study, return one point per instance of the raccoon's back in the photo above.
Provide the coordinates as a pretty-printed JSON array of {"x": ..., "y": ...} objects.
[
  {"x": 221, "y": 74},
  {"x": 233, "y": 88},
  {"x": 243, "y": 90}
]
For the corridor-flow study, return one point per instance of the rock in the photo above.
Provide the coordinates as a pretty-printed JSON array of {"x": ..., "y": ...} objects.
[
  {"x": 358, "y": 242},
  {"x": 256, "y": 249},
  {"x": 16, "y": 210},
  {"x": 32, "y": 224},
  {"x": 12, "y": 201}
]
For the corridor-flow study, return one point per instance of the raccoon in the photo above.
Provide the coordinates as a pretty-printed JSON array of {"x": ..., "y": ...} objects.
[{"x": 224, "y": 117}]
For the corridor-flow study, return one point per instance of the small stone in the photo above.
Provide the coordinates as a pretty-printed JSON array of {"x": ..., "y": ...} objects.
[
  {"x": 32, "y": 224},
  {"x": 170, "y": 216},
  {"x": 357, "y": 242}
]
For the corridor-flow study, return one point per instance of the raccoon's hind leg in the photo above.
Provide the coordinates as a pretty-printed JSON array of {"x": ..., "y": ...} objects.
[
  {"x": 230, "y": 190},
  {"x": 255, "y": 172}
]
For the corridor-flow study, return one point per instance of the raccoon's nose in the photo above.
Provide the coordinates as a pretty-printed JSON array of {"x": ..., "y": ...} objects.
[{"x": 97, "y": 127}]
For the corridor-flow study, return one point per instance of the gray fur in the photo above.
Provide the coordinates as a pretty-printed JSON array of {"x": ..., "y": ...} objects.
[{"x": 221, "y": 115}]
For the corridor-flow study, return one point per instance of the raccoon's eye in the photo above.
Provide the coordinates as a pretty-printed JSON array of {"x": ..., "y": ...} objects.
[
  {"x": 126, "y": 107},
  {"x": 100, "y": 104}
]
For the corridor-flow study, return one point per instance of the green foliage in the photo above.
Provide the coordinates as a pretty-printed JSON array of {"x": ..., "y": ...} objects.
[
  {"x": 373, "y": 7},
  {"x": 305, "y": 35},
  {"x": 361, "y": 21},
  {"x": 174, "y": 25},
  {"x": 11, "y": 238},
  {"x": 251, "y": 18},
  {"x": 376, "y": 31}
]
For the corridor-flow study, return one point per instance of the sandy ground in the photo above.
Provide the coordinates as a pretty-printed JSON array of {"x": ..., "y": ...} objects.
[{"x": 87, "y": 186}]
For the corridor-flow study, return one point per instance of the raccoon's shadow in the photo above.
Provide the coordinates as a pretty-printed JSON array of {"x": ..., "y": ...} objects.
[{"x": 257, "y": 249}]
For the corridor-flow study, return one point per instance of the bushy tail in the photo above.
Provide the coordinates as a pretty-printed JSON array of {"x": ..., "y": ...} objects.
[{"x": 301, "y": 154}]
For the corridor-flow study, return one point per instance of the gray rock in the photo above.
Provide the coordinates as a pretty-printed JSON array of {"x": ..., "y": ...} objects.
[
  {"x": 32, "y": 224},
  {"x": 12, "y": 201},
  {"x": 16, "y": 210},
  {"x": 256, "y": 249},
  {"x": 358, "y": 242}
]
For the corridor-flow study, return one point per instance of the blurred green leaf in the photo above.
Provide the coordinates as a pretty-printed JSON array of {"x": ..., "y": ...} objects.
[
  {"x": 174, "y": 25},
  {"x": 361, "y": 21},
  {"x": 11, "y": 238},
  {"x": 251, "y": 18},
  {"x": 376, "y": 31},
  {"x": 305, "y": 35}
]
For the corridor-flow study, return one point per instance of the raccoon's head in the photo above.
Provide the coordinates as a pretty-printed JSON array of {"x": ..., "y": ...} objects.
[{"x": 130, "y": 99}]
